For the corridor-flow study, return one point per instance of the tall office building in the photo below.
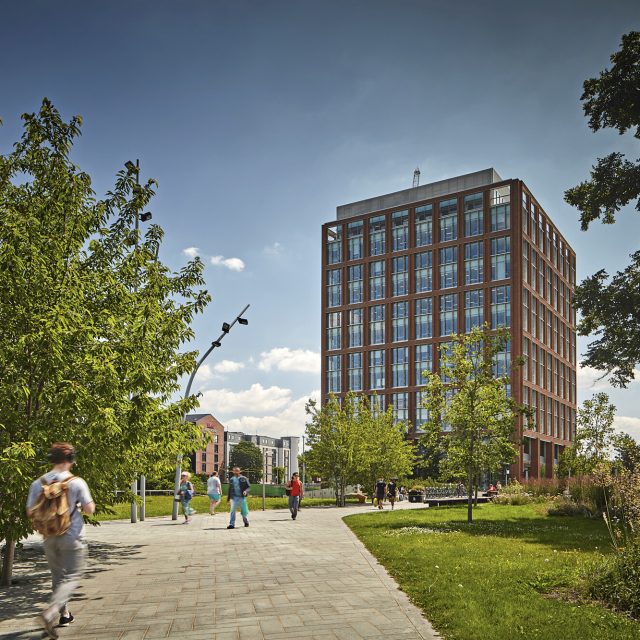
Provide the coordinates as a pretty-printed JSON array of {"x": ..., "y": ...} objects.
[{"x": 403, "y": 271}]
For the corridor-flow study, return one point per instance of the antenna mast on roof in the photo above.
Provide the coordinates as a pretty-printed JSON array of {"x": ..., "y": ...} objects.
[{"x": 416, "y": 177}]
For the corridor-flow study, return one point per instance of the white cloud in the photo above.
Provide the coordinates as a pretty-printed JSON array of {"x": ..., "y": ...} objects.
[
  {"x": 590, "y": 379},
  {"x": 289, "y": 421},
  {"x": 204, "y": 374},
  {"x": 228, "y": 366},
  {"x": 253, "y": 401},
  {"x": 233, "y": 264},
  {"x": 273, "y": 250},
  {"x": 285, "y": 359},
  {"x": 191, "y": 252},
  {"x": 629, "y": 425}
]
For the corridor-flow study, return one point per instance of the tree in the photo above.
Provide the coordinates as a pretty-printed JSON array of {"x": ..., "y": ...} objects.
[
  {"x": 384, "y": 450},
  {"x": 471, "y": 417},
  {"x": 334, "y": 437},
  {"x": 594, "y": 437},
  {"x": 91, "y": 326},
  {"x": 610, "y": 309},
  {"x": 249, "y": 458},
  {"x": 279, "y": 471},
  {"x": 627, "y": 452},
  {"x": 351, "y": 444}
]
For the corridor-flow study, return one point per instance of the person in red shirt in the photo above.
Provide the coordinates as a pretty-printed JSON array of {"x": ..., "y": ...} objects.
[{"x": 295, "y": 491}]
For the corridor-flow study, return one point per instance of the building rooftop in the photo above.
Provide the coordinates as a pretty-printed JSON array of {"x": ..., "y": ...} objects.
[{"x": 416, "y": 194}]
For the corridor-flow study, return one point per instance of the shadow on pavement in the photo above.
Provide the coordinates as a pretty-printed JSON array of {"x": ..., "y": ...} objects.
[{"x": 32, "y": 581}]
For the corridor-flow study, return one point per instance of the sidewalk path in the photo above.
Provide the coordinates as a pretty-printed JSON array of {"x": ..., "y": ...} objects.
[{"x": 276, "y": 580}]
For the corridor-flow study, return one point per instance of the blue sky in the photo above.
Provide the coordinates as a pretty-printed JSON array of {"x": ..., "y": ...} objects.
[{"x": 259, "y": 118}]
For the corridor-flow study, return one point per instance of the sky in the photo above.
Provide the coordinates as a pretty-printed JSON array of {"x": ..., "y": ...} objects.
[{"x": 259, "y": 118}]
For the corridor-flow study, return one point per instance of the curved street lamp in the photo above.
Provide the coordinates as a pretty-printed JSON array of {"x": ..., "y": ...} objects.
[{"x": 226, "y": 327}]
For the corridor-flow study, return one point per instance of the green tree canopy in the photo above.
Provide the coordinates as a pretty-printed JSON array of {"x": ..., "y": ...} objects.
[
  {"x": 249, "y": 458},
  {"x": 351, "y": 444},
  {"x": 595, "y": 437},
  {"x": 92, "y": 325},
  {"x": 610, "y": 308},
  {"x": 472, "y": 418}
]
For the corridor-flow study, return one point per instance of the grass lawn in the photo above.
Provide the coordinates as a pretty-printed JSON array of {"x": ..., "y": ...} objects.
[
  {"x": 507, "y": 576},
  {"x": 162, "y": 505}
]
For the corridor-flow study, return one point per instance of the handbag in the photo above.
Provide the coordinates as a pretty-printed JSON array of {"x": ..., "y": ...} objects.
[{"x": 288, "y": 491}]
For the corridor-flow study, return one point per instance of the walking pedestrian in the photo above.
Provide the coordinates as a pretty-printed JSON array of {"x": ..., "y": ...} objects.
[
  {"x": 295, "y": 492},
  {"x": 186, "y": 495},
  {"x": 55, "y": 505},
  {"x": 380, "y": 492},
  {"x": 214, "y": 491},
  {"x": 239, "y": 488},
  {"x": 392, "y": 490}
]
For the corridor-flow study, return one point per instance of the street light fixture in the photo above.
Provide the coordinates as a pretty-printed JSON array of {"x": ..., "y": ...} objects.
[
  {"x": 216, "y": 343},
  {"x": 146, "y": 216}
]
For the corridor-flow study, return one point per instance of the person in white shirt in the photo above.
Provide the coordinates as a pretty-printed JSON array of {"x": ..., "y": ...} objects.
[
  {"x": 214, "y": 491},
  {"x": 64, "y": 547}
]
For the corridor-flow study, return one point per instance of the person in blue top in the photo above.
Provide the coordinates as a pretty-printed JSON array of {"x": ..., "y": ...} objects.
[{"x": 239, "y": 488}]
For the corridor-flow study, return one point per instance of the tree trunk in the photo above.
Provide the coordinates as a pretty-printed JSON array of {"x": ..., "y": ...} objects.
[
  {"x": 470, "y": 497},
  {"x": 7, "y": 563},
  {"x": 475, "y": 500}
]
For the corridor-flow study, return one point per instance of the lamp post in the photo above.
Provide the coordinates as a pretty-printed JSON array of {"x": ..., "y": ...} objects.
[
  {"x": 226, "y": 327},
  {"x": 145, "y": 217},
  {"x": 264, "y": 478}
]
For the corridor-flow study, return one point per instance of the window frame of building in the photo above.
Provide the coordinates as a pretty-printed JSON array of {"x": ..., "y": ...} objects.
[
  {"x": 377, "y": 235},
  {"x": 423, "y": 318},
  {"x": 400, "y": 230},
  {"x": 354, "y": 328},
  {"x": 355, "y": 240},
  {"x": 334, "y": 330},
  {"x": 474, "y": 262},
  {"x": 500, "y": 258},
  {"x": 423, "y": 265},
  {"x": 448, "y": 219},
  {"x": 473, "y": 309},
  {"x": 448, "y": 267},
  {"x": 448, "y": 314},
  {"x": 424, "y": 225}
]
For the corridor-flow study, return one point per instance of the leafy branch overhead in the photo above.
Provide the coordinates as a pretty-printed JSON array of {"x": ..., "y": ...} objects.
[{"x": 610, "y": 308}]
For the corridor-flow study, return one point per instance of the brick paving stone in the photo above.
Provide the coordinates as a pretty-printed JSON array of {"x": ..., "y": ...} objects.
[{"x": 277, "y": 580}]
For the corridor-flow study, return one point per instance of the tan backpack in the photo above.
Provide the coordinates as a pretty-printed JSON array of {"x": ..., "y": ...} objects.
[{"x": 51, "y": 515}]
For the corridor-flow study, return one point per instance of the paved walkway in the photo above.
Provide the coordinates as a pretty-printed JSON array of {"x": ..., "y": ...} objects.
[{"x": 276, "y": 580}]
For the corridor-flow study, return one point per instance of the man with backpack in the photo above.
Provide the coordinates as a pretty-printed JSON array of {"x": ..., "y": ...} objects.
[{"x": 55, "y": 505}]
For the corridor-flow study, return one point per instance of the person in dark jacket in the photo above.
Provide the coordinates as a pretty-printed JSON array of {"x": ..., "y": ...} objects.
[{"x": 239, "y": 488}]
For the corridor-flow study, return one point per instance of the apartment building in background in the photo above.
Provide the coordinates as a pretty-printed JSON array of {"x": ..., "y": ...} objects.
[
  {"x": 403, "y": 271},
  {"x": 277, "y": 452},
  {"x": 212, "y": 458}
]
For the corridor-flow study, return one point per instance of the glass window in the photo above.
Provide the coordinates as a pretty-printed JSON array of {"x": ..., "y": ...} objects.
[
  {"x": 376, "y": 369},
  {"x": 424, "y": 228},
  {"x": 444, "y": 350},
  {"x": 354, "y": 236},
  {"x": 354, "y": 371},
  {"x": 448, "y": 314},
  {"x": 502, "y": 362},
  {"x": 525, "y": 310},
  {"x": 400, "y": 367},
  {"x": 424, "y": 362},
  {"x": 473, "y": 262},
  {"x": 500, "y": 195},
  {"x": 400, "y": 321},
  {"x": 376, "y": 280},
  {"x": 473, "y": 215},
  {"x": 355, "y": 327},
  {"x": 334, "y": 380},
  {"x": 400, "y": 276},
  {"x": 334, "y": 288},
  {"x": 424, "y": 274},
  {"x": 377, "y": 235},
  {"x": 500, "y": 258},
  {"x": 500, "y": 217},
  {"x": 448, "y": 220},
  {"x": 376, "y": 403},
  {"x": 448, "y": 267},
  {"x": 473, "y": 309},
  {"x": 422, "y": 414},
  {"x": 355, "y": 284},
  {"x": 500, "y": 307},
  {"x": 334, "y": 329},
  {"x": 376, "y": 324},
  {"x": 525, "y": 261},
  {"x": 400, "y": 406},
  {"x": 424, "y": 318},
  {"x": 400, "y": 230},
  {"x": 334, "y": 244}
]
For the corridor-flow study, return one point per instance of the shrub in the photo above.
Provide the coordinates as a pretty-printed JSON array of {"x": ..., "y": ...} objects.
[
  {"x": 617, "y": 580},
  {"x": 544, "y": 487},
  {"x": 566, "y": 507},
  {"x": 512, "y": 498}
]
